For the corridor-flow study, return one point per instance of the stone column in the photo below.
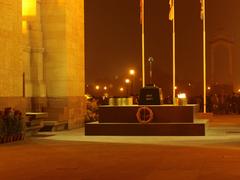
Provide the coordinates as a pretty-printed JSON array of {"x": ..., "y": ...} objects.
[
  {"x": 63, "y": 29},
  {"x": 37, "y": 79},
  {"x": 26, "y": 57}
]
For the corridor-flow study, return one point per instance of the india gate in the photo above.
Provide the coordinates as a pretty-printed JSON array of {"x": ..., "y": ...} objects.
[{"x": 42, "y": 58}]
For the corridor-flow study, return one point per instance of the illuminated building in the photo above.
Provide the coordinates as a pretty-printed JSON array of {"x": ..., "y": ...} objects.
[{"x": 43, "y": 58}]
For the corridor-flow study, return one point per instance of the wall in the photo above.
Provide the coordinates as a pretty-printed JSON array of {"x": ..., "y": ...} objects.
[{"x": 11, "y": 69}]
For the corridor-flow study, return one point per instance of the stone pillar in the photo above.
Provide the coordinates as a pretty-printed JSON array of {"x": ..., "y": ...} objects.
[
  {"x": 63, "y": 29},
  {"x": 37, "y": 79},
  {"x": 26, "y": 57}
]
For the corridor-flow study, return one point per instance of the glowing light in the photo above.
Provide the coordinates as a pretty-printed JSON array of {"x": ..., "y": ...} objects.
[
  {"x": 132, "y": 72},
  {"x": 121, "y": 89},
  {"x": 189, "y": 84},
  {"x": 175, "y": 87},
  {"x": 87, "y": 96},
  {"x": 209, "y": 88},
  {"x": 182, "y": 96},
  {"x": 127, "y": 81},
  {"x": 97, "y": 87},
  {"x": 239, "y": 90},
  {"x": 24, "y": 27},
  {"x": 105, "y": 88},
  {"x": 29, "y": 8}
]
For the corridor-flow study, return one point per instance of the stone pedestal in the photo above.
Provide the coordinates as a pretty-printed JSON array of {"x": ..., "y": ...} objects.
[{"x": 166, "y": 120}]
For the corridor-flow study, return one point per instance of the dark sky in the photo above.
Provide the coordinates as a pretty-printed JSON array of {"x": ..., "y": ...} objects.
[{"x": 113, "y": 37}]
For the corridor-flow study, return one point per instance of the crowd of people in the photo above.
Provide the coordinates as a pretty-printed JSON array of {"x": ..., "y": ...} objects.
[{"x": 219, "y": 103}]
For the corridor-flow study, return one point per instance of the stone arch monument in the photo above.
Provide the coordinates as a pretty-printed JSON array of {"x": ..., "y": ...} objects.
[
  {"x": 222, "y": 61},
  {"x": 43, "y": 59}
]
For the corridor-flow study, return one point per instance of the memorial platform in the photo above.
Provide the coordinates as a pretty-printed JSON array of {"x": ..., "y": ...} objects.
[{"x": 167, "y": 120}]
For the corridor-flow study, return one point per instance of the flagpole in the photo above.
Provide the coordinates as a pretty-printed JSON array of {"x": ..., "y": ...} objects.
[
  {"x": 204, "y": 60},
  {"x": 143, "y": 45},
  {"x": 174, "y": 54}
]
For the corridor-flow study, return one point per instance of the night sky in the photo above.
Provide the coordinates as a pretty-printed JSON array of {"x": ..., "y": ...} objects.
[{"x": 113, "y": 37}]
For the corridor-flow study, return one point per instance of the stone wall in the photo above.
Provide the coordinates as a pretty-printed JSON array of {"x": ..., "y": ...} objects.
[
  {"x": 75, "y": 46},
  {"x": 11, "y": 69}
]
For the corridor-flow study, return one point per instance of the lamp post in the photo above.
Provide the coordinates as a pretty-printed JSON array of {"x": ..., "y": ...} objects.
[
  {"x": 127, "y": 81},
  {"x": 121, "y": 89},
  {"x": 132, "y": 74}
]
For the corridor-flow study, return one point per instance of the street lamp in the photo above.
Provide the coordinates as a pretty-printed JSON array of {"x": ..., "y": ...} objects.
[
  {"x": 121, "y": 89},
  {"x": 132, "y": 74},
  {"x": 97, "y": 87},
  {"x": 127, "y": 81}
]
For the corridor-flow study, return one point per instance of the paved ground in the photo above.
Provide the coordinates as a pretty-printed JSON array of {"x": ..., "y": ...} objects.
[{"x": 71, "y": 155}]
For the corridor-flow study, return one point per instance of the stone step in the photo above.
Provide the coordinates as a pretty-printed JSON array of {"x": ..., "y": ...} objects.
[
  {"x": 151, "y": 129},
  {"x": 54, "y": 126}
]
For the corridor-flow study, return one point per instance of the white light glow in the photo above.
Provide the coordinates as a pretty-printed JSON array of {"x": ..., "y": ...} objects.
[{"x": 182, "y": 96}]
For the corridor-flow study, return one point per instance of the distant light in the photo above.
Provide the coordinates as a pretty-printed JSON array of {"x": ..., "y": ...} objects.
[
  {"x": 105, "y": 88},
  {"x": 175, "y": 87},
  {"x": 189, "y": 84},
  {"x": 127, "y": 81},
  {"x": 121, "y": 89},
  {"x": 132, "y": 72},
  {"x": 182, "y": 96},
  {"x": 97, "y": 87},
  {"x": 209, "y": 88},
  {"x": 87, "y": 96},
  {"x": 238, "y": 90}
]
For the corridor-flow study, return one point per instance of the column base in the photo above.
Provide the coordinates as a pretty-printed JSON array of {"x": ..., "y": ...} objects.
[{"x": 70, "y": 109}]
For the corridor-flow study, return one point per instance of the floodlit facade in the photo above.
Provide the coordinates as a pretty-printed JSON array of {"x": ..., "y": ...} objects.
[{"x": 42, "y": 58}]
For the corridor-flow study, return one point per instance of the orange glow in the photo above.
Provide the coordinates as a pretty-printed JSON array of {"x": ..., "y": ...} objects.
[
  {"x": 97, "y": 87},
  {"x": 29, "y": 8},
  {"x": 239, "y": 90},
  {"x": 209, "y": 88},
  {"x": 105, "y": 88},
  {"x": 127, "y": 81},
  {"x": 24, "y": 27},
  {"x": 175, "y": 87},
  {"x": 121, "y": 89},
  {"x": 132, "y": 72}
]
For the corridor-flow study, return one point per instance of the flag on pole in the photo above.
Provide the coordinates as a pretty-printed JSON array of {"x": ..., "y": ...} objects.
[
  {"x": 202, "y": 9},
  {"x": 171, "y": 11},
  {"x": 141, "y": 11}
]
